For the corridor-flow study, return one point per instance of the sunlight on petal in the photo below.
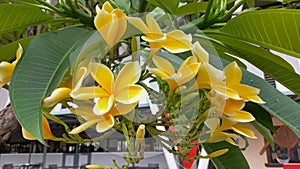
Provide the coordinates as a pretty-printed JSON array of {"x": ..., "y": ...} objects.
[
  {"x": 158, "y": 73},
  {"x": 103, "y": 105}
]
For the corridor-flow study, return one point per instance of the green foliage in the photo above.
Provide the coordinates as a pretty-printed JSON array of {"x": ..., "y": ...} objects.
[
  {"x": 169, "y": 6},
  {"x": 15, "y": 17},
  {"x": 276, "y": 29},
  {"x": 33, "y": 79},
  {"x": 231, "y": 160},
  {"x": 8, "y": 52},
  {"x": 271, "y": 64}
]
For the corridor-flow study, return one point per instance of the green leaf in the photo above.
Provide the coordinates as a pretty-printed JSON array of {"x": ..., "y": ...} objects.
[
  {"x": 264, "y": 131},
  {"x": 170, "y": 6},
  {"x": 269, "y": 63},
  {"x": 15, "y": 17},
  {"x": 190, "y": 8},
  {"x": 279, "y": 105},
  {"x": 261, "y": 115},
  {"x": 233, "y": 159},
  {"x": 277, "y": 29},
  {"x": 8, "y": 52},
  {"x": 39, "y": 72}
]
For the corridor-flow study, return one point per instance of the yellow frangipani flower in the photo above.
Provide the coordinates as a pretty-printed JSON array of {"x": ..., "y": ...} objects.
[
  {"x": 233, "y": 109},
  {"x": 210, "y": 77},
  {"x": 64, "y": 92},
  {"x": 111, "y": 23},
  {"x": 165, "y": 70},
  {"x": 102, "y": 122},
  {"x": 175, "y": 41},
  {"x": 6, "y": 69},
  {"x": 122, "y": 89},
  {"x": 46, "y": 131},
  {"x": 233, "y": 76}
]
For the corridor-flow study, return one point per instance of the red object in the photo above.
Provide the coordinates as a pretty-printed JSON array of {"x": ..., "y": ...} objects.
[
  {"x": 192, "y": 154},
  {"x": 291, "y": 166}
]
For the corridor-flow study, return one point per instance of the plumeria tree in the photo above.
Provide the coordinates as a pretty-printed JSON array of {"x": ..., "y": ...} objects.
[{"x": 98, "y": 59}]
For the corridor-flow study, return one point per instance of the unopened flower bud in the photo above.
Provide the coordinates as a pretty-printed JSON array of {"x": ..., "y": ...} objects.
[{"x": 140, "y": 134}]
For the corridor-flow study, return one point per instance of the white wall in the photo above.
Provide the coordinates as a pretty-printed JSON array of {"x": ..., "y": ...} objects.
[{"x": 97, "y": 158}]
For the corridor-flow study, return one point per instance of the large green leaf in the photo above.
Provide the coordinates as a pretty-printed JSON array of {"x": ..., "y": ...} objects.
[
  {"x": 233, "y": 159},
  {"x": 277, "y": 29},
  {"x": 39, "y": 71},
  {"x": 269, "y": 63},
  {"x": 13, "y": 17},
  {"x": 170, "y": 6},
  {"x": 8, "y": 52},
  {"x": 279, "y": 105}
]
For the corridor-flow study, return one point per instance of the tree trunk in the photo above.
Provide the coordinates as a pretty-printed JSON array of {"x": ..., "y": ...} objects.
[{"x": 8, "y": 123}]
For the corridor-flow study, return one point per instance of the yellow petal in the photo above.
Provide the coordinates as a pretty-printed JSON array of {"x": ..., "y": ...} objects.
[
  {"x": 122, "y": 109},
  {"x": 243, "y": 116},
  {"x": 19, "y": 52},
  {"x": 158, "y": 73},
  {"x": 152, "y": 25},
  {"x": 128, "y": 75},
  {"x": 177, "y": 41},
  {"x": 208, "y": 75},
  {"x": 244, "y": 130},
  {"x": 199, "y": 52},
  {"x": 103, "y": 105},
  {"x": 221, "y": 89},
  {"x": 163, "y": 65},
  {"x": 103, "y": 76},
  {"x": 138, "y": 23},
  {"x": 84, "y": 126},
  {"x": 122, "y": 25},
  {"x": 107, "y": 7},
  {"x": 248, "y": 93},
  {"x": 130, "y": 94},
  {"x": 106, "y": 123},
  {"x": 140, "y": 134},
  {"x": 103, "y": 18},
  {"x": 188, "y": 70},
  {"x": 233, "y": 73},
  {"x": 6, "y": 70},
  {"x": 46, "y": 131},
  {"x": 86, "y": 93},
  {"x": 217, "y": 153},
  {"x": 233, "y": 105},
  {"x": 56, "y": 96},
  {"x": 173, "y": 81},
  {"x": 80, "y": 75}
]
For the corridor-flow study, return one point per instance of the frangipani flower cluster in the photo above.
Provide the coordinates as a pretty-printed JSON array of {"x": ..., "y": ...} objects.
[{"x": 118, "y": 86}]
